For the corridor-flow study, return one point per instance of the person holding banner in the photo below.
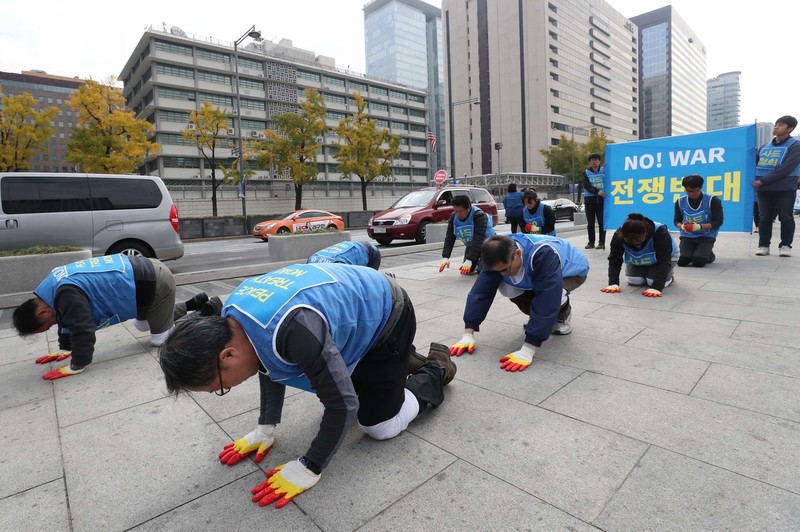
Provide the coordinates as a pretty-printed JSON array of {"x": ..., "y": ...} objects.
[
  {"x": 648, "y": 251},
  {"x": 777, "y": 173},
  {"x": 537, "y": 217},
  {"x": 593, "y": 197},
  {"x": 471, "y": 225},
  {"x": 698, "y": 217},
  {"x": 355, "y": 253},
  {"x": 537, "y": 272}
]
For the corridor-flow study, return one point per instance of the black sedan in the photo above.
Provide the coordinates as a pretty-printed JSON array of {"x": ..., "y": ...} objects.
[{"x": 564, "y": 208}]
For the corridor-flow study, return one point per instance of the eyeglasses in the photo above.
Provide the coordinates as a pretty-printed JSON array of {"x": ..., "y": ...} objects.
[
  {"x": 222, "y": 390},
  {"x": 506, "y": 270}
]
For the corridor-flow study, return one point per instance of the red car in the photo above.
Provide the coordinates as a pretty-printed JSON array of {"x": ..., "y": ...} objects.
[{"x": 297, "y": 221}]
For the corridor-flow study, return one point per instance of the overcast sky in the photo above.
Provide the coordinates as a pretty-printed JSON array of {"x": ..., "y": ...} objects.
[{"x": 90, "y": 38}]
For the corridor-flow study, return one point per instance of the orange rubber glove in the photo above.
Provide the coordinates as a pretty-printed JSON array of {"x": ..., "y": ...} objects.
[
  {"x": 284, "y": 483},
  {"x": 58, "y": 356},
  {"x": 651, "y": 292},
  {"x": 518, "y": 360},
  {"x": 611, "y": 289},
  {"x": 692, "y": 227},
  {"x": 60, "y": 373},
  {"x": 259, "y": 441},
  {"x": 445, "y": 264},
  {"x": 465, "y": 345},
  {"x": 466, "y": 266},
  {"x": 532, "y": 228}
]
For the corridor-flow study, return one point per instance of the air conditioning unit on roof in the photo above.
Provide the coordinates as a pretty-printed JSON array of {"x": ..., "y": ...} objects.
[{"x": 231, "y": 131}]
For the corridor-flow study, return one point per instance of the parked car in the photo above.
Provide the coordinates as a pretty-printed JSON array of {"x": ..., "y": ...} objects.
[
  {"x": 408, "y": 217},
  {"x": 297, "y": 221},
  {"x": 563, "y": 208},
  {"x": 107, "y": 214}
]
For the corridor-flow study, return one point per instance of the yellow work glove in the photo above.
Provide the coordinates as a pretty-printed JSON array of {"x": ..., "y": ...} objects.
[
  {"x": 611, "y": 289},
  {"x": 692, "y": 227},
  {"x": 58, "y": 356},
  {"x": 62, "y": 372},
  {"x": 259, "y": 441},
  {"x": 465, "y": 345},
  {"x": 284, "y": 483},
  {"x": 466, "y": 266},
  {"x": 518, "y": 360},
  {"x": 651, "y": 292},
  {"x": 445, "y": 264},
  {"x": 532, "y": 228}
]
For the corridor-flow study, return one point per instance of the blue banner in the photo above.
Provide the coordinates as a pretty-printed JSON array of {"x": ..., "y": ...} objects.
[{"x": 645, "y": 176}]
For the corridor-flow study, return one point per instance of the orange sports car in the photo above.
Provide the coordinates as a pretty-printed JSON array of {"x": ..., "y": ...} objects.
[{"x": 297, "y": 221}]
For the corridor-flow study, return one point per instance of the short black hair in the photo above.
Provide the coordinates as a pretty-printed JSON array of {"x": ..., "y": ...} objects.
[
  {"x": 24, "y": 317},
  {"x": 789, "y": 120},
  {"x": 497, "y": 249},
  {"x": 594, "y": 156},
  {"x": 462, "y": 201},
  {"x": 530, "y": 194},
  {"x": 189, "y": 356},
  {"x": 692, "y": 181},
  {"x": 512, "y": 187},
  {"x": 635, "y": 224}
]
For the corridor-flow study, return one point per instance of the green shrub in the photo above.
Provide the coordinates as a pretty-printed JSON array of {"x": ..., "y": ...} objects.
[{"x": 37, "y": 250}]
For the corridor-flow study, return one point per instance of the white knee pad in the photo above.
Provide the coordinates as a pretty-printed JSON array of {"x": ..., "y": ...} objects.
[
  {"x": 141, "y": 325},
  {"x": 636, "y": 281},
  {"x": 394, "y": 426},
  {"x": 158, "y": 339}
]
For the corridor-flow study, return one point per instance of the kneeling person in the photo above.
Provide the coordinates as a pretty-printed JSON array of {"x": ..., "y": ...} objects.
[
  {"x": 698, "y": 217},
  {"x": 355, "y": 253},
  {"x": 342, "y": 332},
  {"x": 471, "y": 225}
]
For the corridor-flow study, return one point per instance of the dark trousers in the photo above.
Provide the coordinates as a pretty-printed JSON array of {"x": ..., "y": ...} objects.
[
  {"x": 770, "y": 203},
  {"x": 594, "y": 210},
  {"x": 516, "y": 223},
  {"x": 525, "y": 299},
  {"x": 696, "y": 251}
]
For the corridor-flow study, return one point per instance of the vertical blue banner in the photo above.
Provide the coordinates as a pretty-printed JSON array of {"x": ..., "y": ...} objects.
[{"x": 645, "y": 176}]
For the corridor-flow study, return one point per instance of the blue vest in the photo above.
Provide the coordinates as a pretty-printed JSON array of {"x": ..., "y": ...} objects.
[
  {"x": 770, "y": 157},
  {"x": 647, "y": 255},
  {"x": 573, "y": 262},
  {"x": 701, "y": 215},
  {"x": 343, "y": 252},
  {"x": 107, "y": 281},
  {"x": 596, "y": 179},
  {"x": 464, "y": 230},
  {"x": 537, "y": 217},
  {"x": 513, "y": 204},
  {"x": 355, "y": 302}
]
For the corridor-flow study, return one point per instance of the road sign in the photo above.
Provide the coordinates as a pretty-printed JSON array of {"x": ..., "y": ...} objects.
[{"x": 440, "y": 177}]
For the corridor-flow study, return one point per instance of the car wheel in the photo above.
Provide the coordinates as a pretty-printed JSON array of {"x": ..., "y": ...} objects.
[
  {"x": 283, "y": 231},
  {"x": 384, "y": 241},
  {"x": 130, "y": 248},
  {"x": 265, "y": 239},
  {"x": 572, "y": 217},
  {"x": 422, "y": 233},
  {"x": 333, "y": 227}
]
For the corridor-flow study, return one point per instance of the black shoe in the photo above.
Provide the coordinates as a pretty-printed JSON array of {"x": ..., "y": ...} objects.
[
  {"x": 416, "y": 361},
  {"x": 439, "y": 355},
  {"x": 197, "y": 302},
  {"x": 213, "y": 307},
  {"x": 590, "y": 245},
  {"x": 600, "y": 246}
]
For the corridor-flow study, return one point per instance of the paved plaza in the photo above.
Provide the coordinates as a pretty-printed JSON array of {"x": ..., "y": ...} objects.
[{"x": 678, "y": 413}]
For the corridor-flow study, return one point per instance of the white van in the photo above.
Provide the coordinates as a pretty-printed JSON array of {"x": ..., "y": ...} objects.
[{"x": 130, "y": 214}]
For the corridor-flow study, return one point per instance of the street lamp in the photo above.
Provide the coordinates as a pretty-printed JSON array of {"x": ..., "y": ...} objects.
[
  {"x": 471, "y": 102},
  {"x": 255, "y": 34}
]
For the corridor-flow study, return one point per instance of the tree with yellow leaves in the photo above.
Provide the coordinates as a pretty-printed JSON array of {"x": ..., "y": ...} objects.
[
  {"x": 293, "y": 145},
  {"x": 108, "y": 138},
  {"x": 23, "y": 131},
  {"x": 364, "y": 150},
  {"x": 209, "y": 129}
]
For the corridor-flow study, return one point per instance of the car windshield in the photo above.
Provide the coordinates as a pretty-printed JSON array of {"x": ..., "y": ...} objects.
[
  {"x": 419, "y": 198},
  {"x": 287, "y": 216}
]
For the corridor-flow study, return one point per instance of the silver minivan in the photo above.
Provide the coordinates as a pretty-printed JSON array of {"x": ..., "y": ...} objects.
[{"x": 130, "y": 214}]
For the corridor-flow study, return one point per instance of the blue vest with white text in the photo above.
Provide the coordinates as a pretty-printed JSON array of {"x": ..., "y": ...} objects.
[
  {"x": 596, "y": 179},
  {"x": 107, "y": 282},
  {"x": 770, "y": 157},
  {"x": 465, "y": 229},
  {"x": 536, "y": 217},
  {"x": 573, "y": 262},
  {"x": 647, "y": 255},
  {"x": 701, "y": 215},
  {"x": 354, "y": 301},
  {"x": 344, "y": 252}
]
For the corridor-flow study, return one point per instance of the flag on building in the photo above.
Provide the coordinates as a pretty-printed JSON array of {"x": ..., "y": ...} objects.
[{"x": 432, "y": 139}]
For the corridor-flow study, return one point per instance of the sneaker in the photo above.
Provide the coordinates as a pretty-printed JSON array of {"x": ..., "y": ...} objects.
[
  {"x": 213, "y": 307},
  {"x": 784, "y": 251},
  {"x": 439, "y": 355},
  {"x": 600, "y": 246},
  {"x": 590, "y": 245},
  {"x": 562, "y": 327},
  {"x": 762, "y": 251}
]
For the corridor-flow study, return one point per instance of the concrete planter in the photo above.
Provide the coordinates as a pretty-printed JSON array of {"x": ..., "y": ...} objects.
[
  {"x": 191, "y": 229},
  {"x": 25, "y": 272},
  {"x": 359, "y": 218},
  {"x": 580, "y": 218},
  {"x": 435, "y": 233},
  {"x": 234, "y": 227},
  {"x": 301, "y": 246}
]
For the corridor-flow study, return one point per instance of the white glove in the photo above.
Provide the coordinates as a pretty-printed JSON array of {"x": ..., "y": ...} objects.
[
  {"x": 259, "y": 441},
  {"x": 466, "y": 266},
  {"x": 465, "y": 345},
  {"x": 519, "y": 359}
]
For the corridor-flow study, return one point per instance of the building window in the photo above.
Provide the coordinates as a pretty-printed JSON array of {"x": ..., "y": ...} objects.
[
  {"x": 173, "y": 48},
  {"x": 213, "y": 77},
  {"x": 171, "y": 70},
  {"x": 212, "y": 55}
]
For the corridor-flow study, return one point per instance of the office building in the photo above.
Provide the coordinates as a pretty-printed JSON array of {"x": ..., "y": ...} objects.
[
  {"x": 724, "y": 99},
  {"x": 49, "y": 91},
  {"x": 672, "y": 75},
  {"x": 518, "y": 75},
  {"x": 764, "y": 132},
  {"x": 403, "y": 44},
  {"x": 170, "y": 73}
]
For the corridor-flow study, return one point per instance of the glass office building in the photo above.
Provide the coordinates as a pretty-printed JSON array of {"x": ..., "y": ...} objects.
[
  {"x": 672, "y": 75},
  {"x": 724, "y": 98}
]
